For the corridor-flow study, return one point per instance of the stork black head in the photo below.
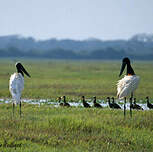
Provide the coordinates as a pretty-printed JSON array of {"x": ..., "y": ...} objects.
[
  {"x": 126, "y": 61},
  {"x": 21, "y": 69}
]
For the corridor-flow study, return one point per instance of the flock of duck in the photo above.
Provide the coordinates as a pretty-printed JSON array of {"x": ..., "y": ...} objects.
[
  {"x": 125, "y": 87},
  {"x": 112, "y": 105}
]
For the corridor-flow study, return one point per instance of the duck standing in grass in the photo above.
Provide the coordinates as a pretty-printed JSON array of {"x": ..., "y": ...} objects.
[
  {"x": 65, "y": 104},
  {"x": 109, "y": 103},
  {"x": 115, "y": 105},
  {"x": 85, "y": 104},
  {"x": 95, "y": 104},
  {"x": 16, "y": 84},
  {"x": 136, "y": 106},
  {"x": 149, "y": 105}
]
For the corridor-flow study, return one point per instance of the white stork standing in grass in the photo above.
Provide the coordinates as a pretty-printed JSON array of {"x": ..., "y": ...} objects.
[
  {"x": 127, "y": 85},
  {"x": 16, "y": 84}
]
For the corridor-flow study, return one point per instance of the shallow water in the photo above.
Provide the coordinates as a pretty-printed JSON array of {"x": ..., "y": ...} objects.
[{"x": 74, "y": 104}]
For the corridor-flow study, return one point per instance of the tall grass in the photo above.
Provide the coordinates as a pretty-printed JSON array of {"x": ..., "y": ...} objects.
[{"x": 46, "y": 128}]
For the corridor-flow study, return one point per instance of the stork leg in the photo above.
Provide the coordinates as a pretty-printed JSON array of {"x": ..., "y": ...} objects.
[
  {"x": 13, "y": 108},
  {"x": 131, "y": 104},
  {"x": 131, "y": 109},
  {"x": 124, "y": 107},
  {"x": 20, "y": 109}
]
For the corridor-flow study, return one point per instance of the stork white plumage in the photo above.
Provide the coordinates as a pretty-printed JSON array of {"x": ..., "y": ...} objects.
[
  {"x": 16, "y": 84},
  {"x": 129, "y": 83}
]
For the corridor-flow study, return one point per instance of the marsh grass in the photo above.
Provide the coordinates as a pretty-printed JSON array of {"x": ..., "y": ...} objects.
[
  {"x": 52, "y": 78},
  {"x": 45, "y": 128}
]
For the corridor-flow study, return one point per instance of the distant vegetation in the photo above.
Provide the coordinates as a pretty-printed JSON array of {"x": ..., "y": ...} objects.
[
  {"x": 51, "y": 79},
  {"x": 138, "y": 47}
]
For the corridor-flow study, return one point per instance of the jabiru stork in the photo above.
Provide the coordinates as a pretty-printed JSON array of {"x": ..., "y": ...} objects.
[
  {"x": 16, "y": 84},
  {"x": 127, "y": 85}
]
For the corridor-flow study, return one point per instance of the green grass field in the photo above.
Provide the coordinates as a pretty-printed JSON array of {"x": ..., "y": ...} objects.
[
  {"x": 74, "y": 129},
  {"x": 53, "y": 78},
  {"x": 47, "y": 128}
]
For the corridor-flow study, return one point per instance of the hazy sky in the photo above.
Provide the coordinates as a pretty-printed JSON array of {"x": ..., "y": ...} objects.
[{"x": 77, "y": 19}]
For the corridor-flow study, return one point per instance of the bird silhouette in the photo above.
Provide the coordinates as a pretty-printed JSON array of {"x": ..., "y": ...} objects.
[
  {"x": 65, "y": 104},
  {"x": 85, "y": 104},
  {"x": 109, "y": 103},
  {"x": 95, "y": 104},
  {"x": 149, "y": 105},
  {"x": 115, "y": 105},
  {"x": 136, "y": 106}
]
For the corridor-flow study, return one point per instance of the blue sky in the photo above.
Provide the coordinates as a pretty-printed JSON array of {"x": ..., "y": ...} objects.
[{"x": 76, "y": 19}]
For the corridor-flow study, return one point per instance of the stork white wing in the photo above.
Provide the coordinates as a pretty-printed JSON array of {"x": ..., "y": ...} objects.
[
  {"x": 127, "y": 85},
  {"x": 16, "y": 85}
]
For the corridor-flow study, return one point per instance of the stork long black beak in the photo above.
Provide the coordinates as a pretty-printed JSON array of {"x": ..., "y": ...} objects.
[
  {"x": 122, "y": 68},
  {"x": 21, "y": 68}
]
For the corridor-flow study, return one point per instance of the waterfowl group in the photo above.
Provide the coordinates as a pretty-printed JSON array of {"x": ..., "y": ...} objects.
[{"x": 110, "y": 101}]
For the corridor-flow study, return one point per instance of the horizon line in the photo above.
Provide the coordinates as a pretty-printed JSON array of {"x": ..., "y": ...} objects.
[{"x": 85, "y": 39}]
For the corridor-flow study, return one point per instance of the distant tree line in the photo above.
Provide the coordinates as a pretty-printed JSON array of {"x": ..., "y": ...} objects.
[
  {"x": 138, "y": 47},
  {"x": 59, "y": 53}
]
